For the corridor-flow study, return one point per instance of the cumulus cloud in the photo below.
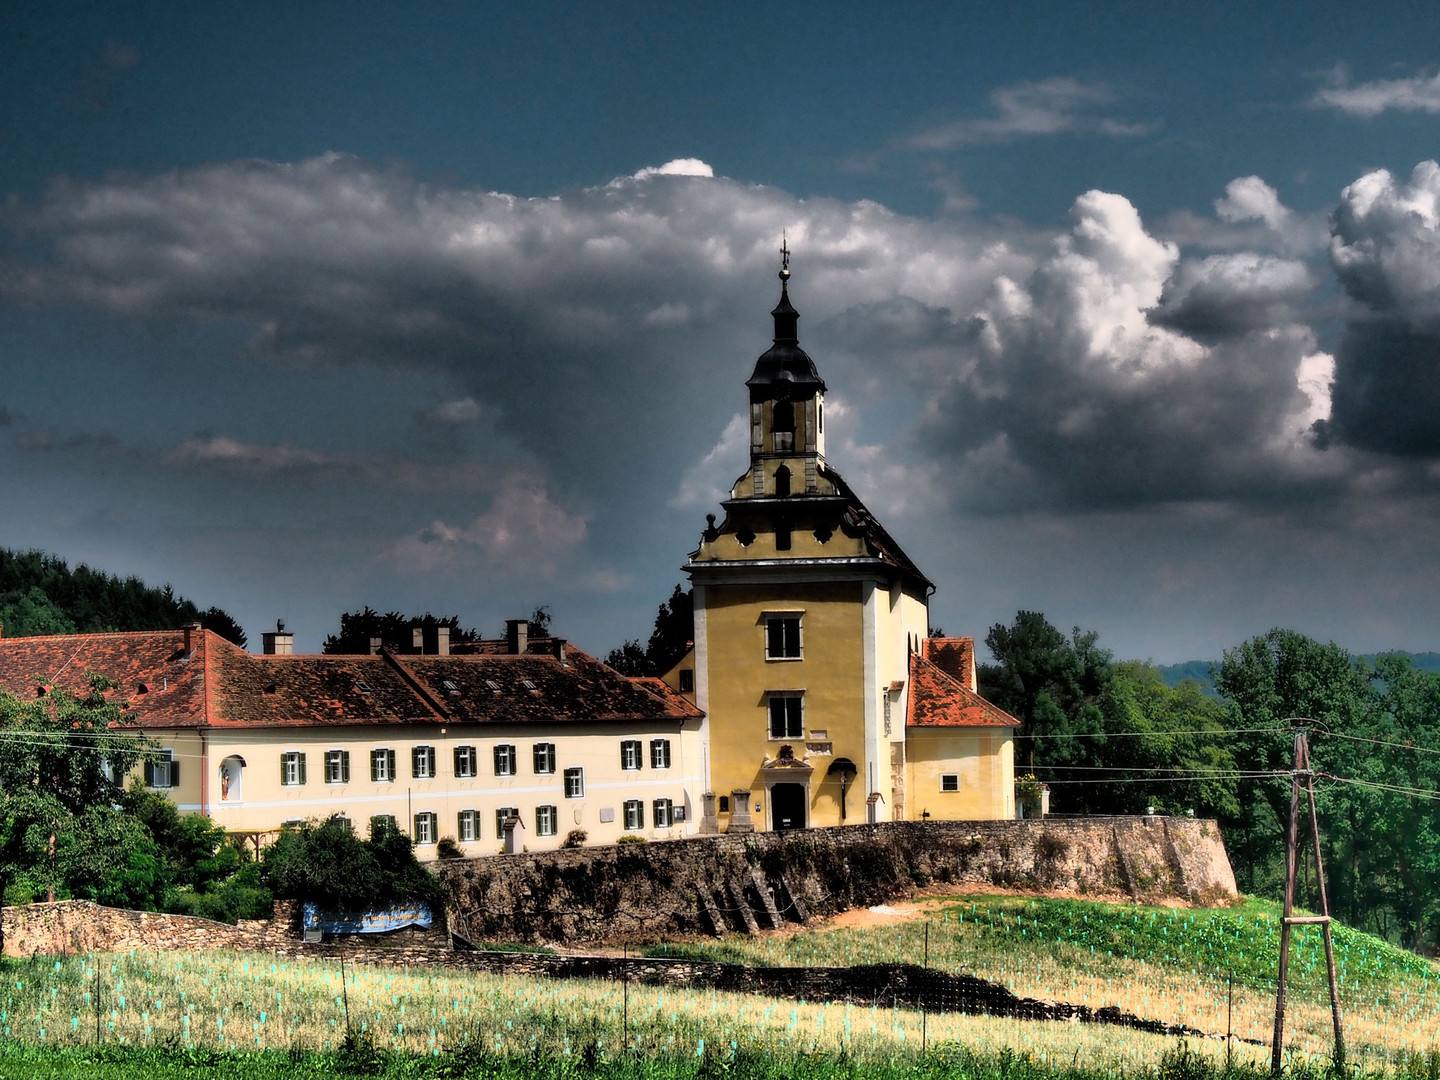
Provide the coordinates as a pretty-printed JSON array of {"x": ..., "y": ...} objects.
[
  {"x": 1091, "y": 387},
  {"x": 1420, "y": 93},
  {"x": 1386, "y": 253},
  {"x": 579, "y": 320},
  {"x": 1047, "y": 107},
  {"x": 1225, "y": 295},
  {"x": 707, "y": 482},
  {"x": 522, "y": 531},
  {"x": 1249, "y": 198},
  {"x": 678, "y": 167}
]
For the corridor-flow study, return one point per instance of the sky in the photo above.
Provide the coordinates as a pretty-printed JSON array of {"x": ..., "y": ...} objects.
[{"x": 1129, "y": 314}]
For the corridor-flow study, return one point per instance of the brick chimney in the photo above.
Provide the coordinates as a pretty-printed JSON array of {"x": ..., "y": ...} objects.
[
  {"x": 278, "y": 642},
  {"x": 442, "y": 641},
  {"x": 375, "y": 645},
  {"x": 517, "y": 634},
  {"x": 192, "y": 636},
  {"x": 557, "y": 646}
]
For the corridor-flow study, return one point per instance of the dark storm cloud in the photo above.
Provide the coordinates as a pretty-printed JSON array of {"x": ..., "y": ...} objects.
[
  {"x": 1228, "y": 295},
  {"x": 1386, "y": 253},
  {"x": 577, "y": 321},
  {"x": 1082, "y": 391}
]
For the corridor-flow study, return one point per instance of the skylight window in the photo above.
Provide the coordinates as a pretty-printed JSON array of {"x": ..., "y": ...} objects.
[
  {"x": 450, "y": 687},
  {"x": 493, "y": 685},
  {"x": 528, "y": 684},
  {"x": 364, "y": 688}
]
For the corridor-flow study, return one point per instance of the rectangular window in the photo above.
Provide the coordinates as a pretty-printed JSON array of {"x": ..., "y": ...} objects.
[
  {"x": 467, "y": 825},
  {"x": 544, "y": 758},
  {"x": 466, "y": 765},
  {"x": 664, "y": 811},
  {"x": 630, "y": 754},
  {"x": 782, "y": 637},
  {"x": 422, "y": 762},
  {"x": 575, "y": 783},
  {"x": 786, "y": 716},
  {"x": 502, "y": 815},
  {"x": 950, "y": 781},
  {"x": 505, "y": 760},
  {"x": 724, "y": 804},
  {"x": 337, "y": 766},
  {"x": 382, "y": 766},
  {"x": 687, "y": 681},
  {"x": 634, "y": 814},
  {"x": 162, "y": 771},
  {"x": 292, "y": 768},
  {"x": 547, "y": 821},
  {"x": 659, "y": 753},
  {"x": 381, "y": 825},
  {"x": 425, "y": 832}
]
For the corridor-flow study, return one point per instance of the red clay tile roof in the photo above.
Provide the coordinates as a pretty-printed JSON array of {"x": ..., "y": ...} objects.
[
  {"x": 150, "y": 670},
  {"x": 223, "y": 686},
  {"x": 955, "y": 656},
  {"x": 938, "y": 700}
]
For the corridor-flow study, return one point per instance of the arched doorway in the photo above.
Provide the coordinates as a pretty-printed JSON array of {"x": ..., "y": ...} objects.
[
  {"x": 787, "y": 806},
  {"x": 232, "y": 771}
]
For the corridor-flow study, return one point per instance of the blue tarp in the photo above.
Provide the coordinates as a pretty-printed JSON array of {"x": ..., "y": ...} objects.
[{"x": 364, "y": 922}]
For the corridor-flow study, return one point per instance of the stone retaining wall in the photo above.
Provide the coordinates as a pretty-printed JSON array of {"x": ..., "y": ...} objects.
[
  {"x": 69, "y": 927},
  {"x": 715, "y": 884}
]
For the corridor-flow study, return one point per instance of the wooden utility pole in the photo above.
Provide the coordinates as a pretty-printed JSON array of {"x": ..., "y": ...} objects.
[{"x": 1303, "y": 771}]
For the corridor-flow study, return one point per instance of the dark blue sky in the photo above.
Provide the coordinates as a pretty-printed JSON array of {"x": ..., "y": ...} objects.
[{"x": 309, "y": 306}]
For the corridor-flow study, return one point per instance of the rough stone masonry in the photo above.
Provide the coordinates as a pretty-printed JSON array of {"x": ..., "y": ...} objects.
[{"x": 719, "y": 884}]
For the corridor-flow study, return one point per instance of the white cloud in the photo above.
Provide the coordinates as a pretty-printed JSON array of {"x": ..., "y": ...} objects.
[
  {"x": 707, "y": 481},
  {"x": 1416, "y": 94},
  {"x": 1249, "y": 198},
  {"x": 523, "y": 532},
  {"x": 1047, "y": 107},
  {"x": 456, "y": 413},
  {"x": 678, "y": 167},
  {"x": 1081, "y": 395}
]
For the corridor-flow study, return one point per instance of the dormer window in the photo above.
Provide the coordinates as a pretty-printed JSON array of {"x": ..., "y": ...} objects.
[{"x": 142, "y": 688}]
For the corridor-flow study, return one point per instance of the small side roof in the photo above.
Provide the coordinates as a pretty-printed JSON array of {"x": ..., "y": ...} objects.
[{"x": 937, "y": 699}]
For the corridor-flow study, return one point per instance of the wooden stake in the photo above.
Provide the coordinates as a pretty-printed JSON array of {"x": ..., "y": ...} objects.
[{"x": 1289, "y": 919}]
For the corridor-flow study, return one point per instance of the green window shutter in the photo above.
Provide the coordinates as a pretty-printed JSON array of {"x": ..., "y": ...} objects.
[
  {"x": 149, "y": 773},
  {"x": 374, "y": 767},
  {"x": 174, "y": 773},
  {"x": 344, "y": 766},
  {"x": 283, "y": 779},
  {"x": 390, "y": 763},
  {"x": 430, "y": 760},
  {"x": 302, "y": 768}
]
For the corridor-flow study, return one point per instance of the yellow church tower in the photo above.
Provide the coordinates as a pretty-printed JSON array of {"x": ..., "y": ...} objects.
[{"x": 810, "y": 622}]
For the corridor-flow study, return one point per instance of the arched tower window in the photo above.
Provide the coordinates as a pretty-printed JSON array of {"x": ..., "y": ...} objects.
[
  {"x": 782, "y": 425},
  {"x": 782, "y": 481}
]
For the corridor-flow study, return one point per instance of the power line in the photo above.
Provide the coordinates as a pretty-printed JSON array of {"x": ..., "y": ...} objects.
[
  {"x": 1417, "y": 793},
  {"x": 1182, "y": 731},
  {"x": 1381, "y": 742}
]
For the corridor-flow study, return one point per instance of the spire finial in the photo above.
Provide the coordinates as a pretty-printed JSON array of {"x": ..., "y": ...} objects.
[{"x": 784, "y": 257}]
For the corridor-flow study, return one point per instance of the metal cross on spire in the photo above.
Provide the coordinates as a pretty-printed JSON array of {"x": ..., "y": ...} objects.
[{"x": 784, "y": 258}]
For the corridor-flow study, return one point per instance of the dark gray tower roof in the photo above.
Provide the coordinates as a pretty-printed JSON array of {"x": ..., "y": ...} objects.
[{"x": 785, "y": 370}]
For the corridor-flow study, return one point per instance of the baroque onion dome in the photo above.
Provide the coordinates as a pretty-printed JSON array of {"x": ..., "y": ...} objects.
[{"x": 791, "y": 506}]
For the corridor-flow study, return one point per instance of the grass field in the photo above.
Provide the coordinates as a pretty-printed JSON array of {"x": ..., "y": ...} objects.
[
  {"x": 155, "y": 1014},
  {"x": 1176, "y": 965},
  {"x": 227, "y": 1001}
]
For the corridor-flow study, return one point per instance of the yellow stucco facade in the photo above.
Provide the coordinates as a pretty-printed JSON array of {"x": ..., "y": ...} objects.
[
  {"x": 254, "y": 783},
  {"x": 807, "y": 615}
]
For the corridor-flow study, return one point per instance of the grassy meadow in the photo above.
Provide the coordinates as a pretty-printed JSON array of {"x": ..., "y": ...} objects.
[
  {"x": 1203, "y": 967},
  {"x": 231, "y": 1014}
]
